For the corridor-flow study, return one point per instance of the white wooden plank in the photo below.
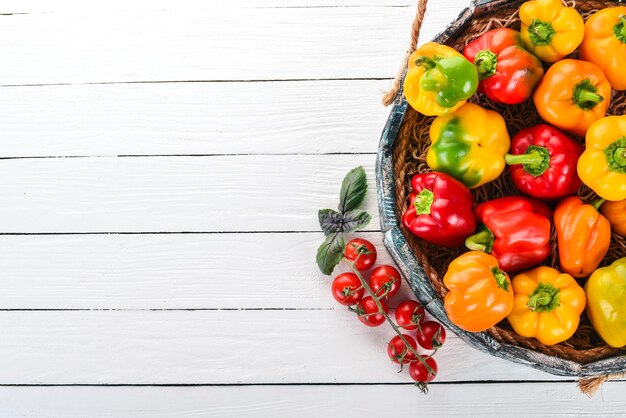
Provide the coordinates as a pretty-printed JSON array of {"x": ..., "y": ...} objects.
[
  {"x": 218, "y": 347},
  {"x": 192, "y": 118},
  {"x": 458, "y": 400},
  {"x": 167, "y": 271},
  {"x": 233, "y": 193},
  {"x": 209, "y": 44}
]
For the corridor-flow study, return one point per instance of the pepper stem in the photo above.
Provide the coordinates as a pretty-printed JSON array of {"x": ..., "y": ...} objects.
[
  {"x": 485, "y": 62},
  {"x": 500, "y": 277},
  {"x": 544, "y": 298},
  {"x": 615, "y": 155},
  {"x": 540, "y": 33},
  {"x": 584, "y": 95},
  {"x": 597, "y": 203},
  {"x": 481, "y": 241},
  {"x": 619, "y": 30},
  {"x": 423, "y": 201},
  {"x": 536, "y": 160},
  {"x": 427, "y": 62}
]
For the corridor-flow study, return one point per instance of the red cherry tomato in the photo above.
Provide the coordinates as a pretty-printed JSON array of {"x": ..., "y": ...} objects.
[
  {"x": 362, "y": 251},
  {"x": 431, "y": 335},
  {"x": 347, "y": 289},
  {"x": 420, "y": 373},
  {"x": 399, "y": 352},
  {"x": 409, "y": 314},
  {"x": 368, "y": 312},
  {"x": 385, "y": 280}
]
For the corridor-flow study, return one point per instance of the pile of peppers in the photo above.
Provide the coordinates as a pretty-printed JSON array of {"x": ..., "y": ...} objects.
[{"x": 567, "y": 68}]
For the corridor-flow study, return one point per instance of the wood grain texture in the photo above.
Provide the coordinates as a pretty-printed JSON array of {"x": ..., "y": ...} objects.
[
  {"x": 86, "y": 46},
  {"x": 172, "y": 271},
  {"x": 232, "y": 193},
  {"x": 558, "y": 400},
  {"x": 218, "y": 347},
  {"x": 192, "y": 118}
]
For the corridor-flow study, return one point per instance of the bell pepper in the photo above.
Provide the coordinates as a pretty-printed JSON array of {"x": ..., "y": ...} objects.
[
  {"x": 439, "y": 80},
  {"x": 515, "y": 230},
  {"x": 572, "y": 95},
  {"x": 583, "y": 236},
  {"x": 550, "y": 30},
  {"x": 606, "y": 302},
  {"x": 440, "y": 209},
  {"x": 604, "y": 44},
  {"x": 615, "y": 212},
  {"x": 507, "y": 72},
  {"x": 480, "y": 294},
  {"x": 543, "y": 162},
  {"x": 469, "y": 145},
  {"x": 547, "y": 305},
  {"x": 602, "y": 166}
]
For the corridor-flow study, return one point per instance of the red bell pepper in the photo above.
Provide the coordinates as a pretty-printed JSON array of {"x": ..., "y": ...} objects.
[
  {"x": 507, "y": 72},
  {"x": 543, "y": 162},
  {"x": 440, "y": 209},
  {"x": 516, "y": 230}
]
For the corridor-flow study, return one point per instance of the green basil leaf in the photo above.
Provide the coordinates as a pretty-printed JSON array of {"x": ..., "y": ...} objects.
[
  {"x": 355, "y": 219},
  {"x": 330, "y": 220},
  {"x": 353, "y": 190},
  {"x": 330, "y": 253}
]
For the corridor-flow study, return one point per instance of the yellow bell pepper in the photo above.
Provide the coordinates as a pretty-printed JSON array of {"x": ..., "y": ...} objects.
[
  {"x": 604, "y": 44},
  {"x": 469, "y": 145},
  {"x": 547, "y": 305},
  {"x": 550, "y": 30},
  {"x": 439, "y": 80},
  {"x": 602, "y": 166},
  {"x": 606, "y": 307}
]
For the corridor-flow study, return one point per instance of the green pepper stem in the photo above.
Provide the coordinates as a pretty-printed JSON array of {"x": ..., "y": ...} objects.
[
  {"x": 500, "y": 277},
  {"x": 619, "y": 30},
  {"x": 481, "y": 241},
  {"x": 597, "y": 203},
  {"x": 536, "y": 160},
  {"x": 485, "y": 62},
  {"x": 584, "y": 95},
  {"x": 615, "y": 155},
  {"x": 540, "y": 33},
  {"x": 544, "y": 298},
  {"x": 423, "y": 201},
  {"x": 427, "y": 62}
]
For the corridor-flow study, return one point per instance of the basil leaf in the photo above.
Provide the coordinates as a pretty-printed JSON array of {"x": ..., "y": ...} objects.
[
  {"x": 331, "y": 221},
  {"x": 355, "y": 219},
  {"x": 353, "y": 190},
  {"x": 330, "y": 253}
]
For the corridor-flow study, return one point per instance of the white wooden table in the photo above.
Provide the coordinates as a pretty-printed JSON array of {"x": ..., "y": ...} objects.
[{"x": 162, "y": 166}]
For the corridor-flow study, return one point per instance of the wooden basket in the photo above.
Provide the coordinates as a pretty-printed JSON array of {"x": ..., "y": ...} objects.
[{"x": 401, "y": 154}]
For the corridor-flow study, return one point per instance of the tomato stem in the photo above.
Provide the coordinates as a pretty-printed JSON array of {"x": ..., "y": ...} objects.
[{"x": 381, "y": 311}]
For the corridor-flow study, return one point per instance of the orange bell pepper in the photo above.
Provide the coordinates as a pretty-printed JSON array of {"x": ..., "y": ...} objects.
[
  {"x": 615, "y": 212},
  {"x": 547, "y": 305},
  {"x": 583, "y": 236},
  {"x": 572, "y": 95},
  {"x": 480, "y": 294},
  {"x": 604, "y": 44}
]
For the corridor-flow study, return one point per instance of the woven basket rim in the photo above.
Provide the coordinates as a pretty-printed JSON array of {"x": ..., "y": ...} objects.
[{"x": 411, "y": 267}]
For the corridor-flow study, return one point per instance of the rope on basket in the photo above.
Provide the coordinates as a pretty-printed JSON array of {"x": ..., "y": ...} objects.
[
  {"x": 391, "y": 94},
  {"x": 589, "y": 386}
]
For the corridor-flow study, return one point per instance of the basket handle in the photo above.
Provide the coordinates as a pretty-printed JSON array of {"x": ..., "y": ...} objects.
[{"x": 391, "y": 94}]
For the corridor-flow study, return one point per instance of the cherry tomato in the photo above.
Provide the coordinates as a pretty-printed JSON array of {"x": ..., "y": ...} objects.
[
  {"x": 399, "y": 352},
  {"x": 409, "y": 314},
  {"x": 362, "y": 251},
  {"x": 368, "y": 312},
  {"x": 431, "y": 335},
  {"x": 420, "y": 374},
  {"x": 385, "y": 280},
  {"x": 347, "y": 289}
]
